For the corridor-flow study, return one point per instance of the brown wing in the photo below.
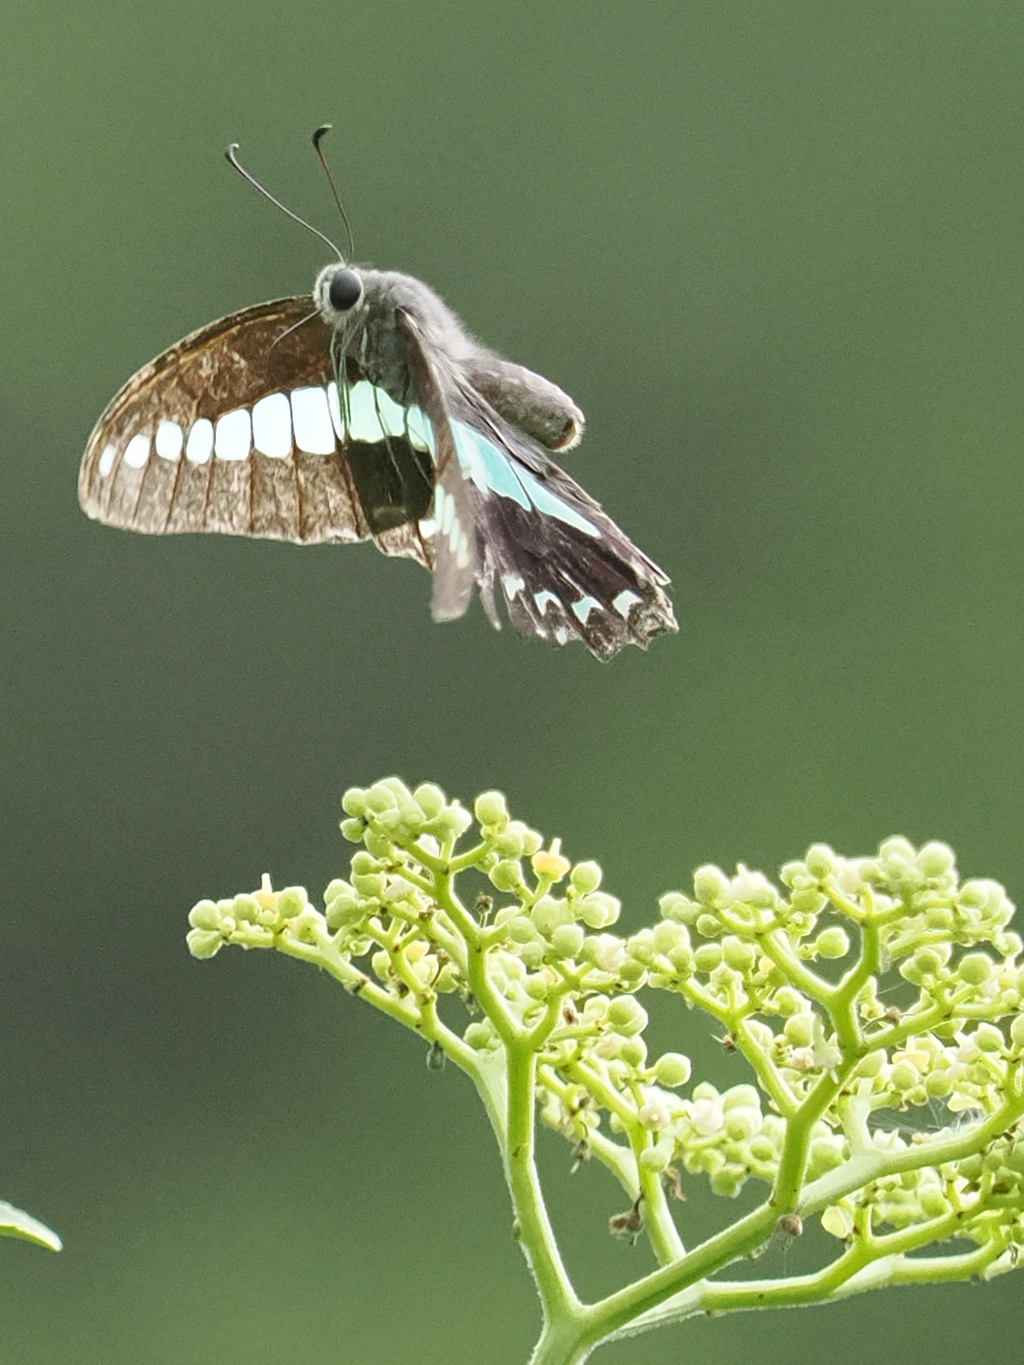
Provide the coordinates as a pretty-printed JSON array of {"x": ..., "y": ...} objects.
[{"x": 231, "y": 430}]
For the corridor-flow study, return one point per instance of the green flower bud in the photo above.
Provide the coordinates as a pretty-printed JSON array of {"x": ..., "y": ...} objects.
[
  {"x": 510, "y": 843},
  {"x": 820, "y": 861},
  {"x": 832, "y": 942},
  {"x": 989, "y": 1038},
  {"x": 521, "y": 929},
  {"x": 675, "y": 906},
  {"x": 710, "y": 884},
  {"x": 667, "y": 936},
  {"x": 741, "y": 1124},
  {"x": 926, "y": 962},
  {"x": 532, "y": 841},
  {"x": 738, "y": 955},
  {"x": 975, "y": 968},
  {"x": 762, "y": 1149},
  {"x": 807, "y": 901},
  {"x": 672, "y": 1069},
  {"x": 548, "y": 913},
  {"x": 938, "y": 1084},
  {"x": 532, "y": 954},
  {"x": 430, "y": 799},
  {"x": 452, "y": 822},
  {"x": 368, "y": 883},
  {"x": 838, "y": 1222},
  {"x": 970, "y": 1167},
  {"x": 633, "y": 1052},
  {"x": 739, "y": 1097},
  {"x": 353, "y": 830},
  {"x": 292, "y": 901},
  {"x": 935, "y": 859},
  {"x": 729, "y": 1180},
  {"x": 799, "y": 1029},
  {"x": 478, "y": 1036},
  {"x": 825, "y": 1155},
  {"x": 627, "y": 1016},
  {"x": 933, "y": 1202},
  {"x": 354, "y": 801},
  {"x": 537, "y": 987},
  {"x": 379, "y": 798},
  {"x": 490, "y": 809},
  {"x": 654, "y": 1159},
  {"x": 903, "y": 1076},
  {"x": 789, "y": 1001},
  {"x": 1016, "y": 1028},
  {"x": 897, "y": 850},
  {"x": 586, "y": 877},
  {"x": 246, "y": 909},
  {"x": 379, "y": 845},
  {"x": 708, "y": 926},
  {"x": 598, "y": 910},
  {"x": 567, "y": 940},
  {"x": 205, "y": 915},
  {"x": 343, "y": 910},
  {"x": 707, "y": 957},
  {"x": 682, "y": 959},
  {"x": 872, "y": 1063},
  {"x": 398, "y": 789},
  {"x": 364, "y": 862},
  {"x": 641, "y": 946},
  {"x": 204, "y": 943},
  {"x": 506, "y": 875}
]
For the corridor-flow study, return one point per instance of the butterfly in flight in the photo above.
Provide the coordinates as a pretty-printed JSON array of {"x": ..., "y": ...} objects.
[{"x": 366, "y": 411}]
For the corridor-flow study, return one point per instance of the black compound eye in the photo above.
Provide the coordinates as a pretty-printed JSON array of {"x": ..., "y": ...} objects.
[{"x": 345, "y": 290}]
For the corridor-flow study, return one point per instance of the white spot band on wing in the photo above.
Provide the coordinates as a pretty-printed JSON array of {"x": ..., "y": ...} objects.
[
  {"x": 272, "y": 426},
  {"x": 419, "y": 430},
  {"x": 232, "y": 438},
  {"x": 624, "y": 601},
  {"x": 543, "y": 598},
  {"x": 444, "y": 510},
  {"x": 107, "y": 460},
  {"x": 170, "y": 440},
  {"x": 199, "y": 446},
  {"x": 311, "y": 417},
  {"x": 584, "y": 607},
  {"x": 137, "y": 451},
  {"x": 372, "y": 414}
]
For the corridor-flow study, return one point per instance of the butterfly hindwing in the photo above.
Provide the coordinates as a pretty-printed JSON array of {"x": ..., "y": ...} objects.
[
  {"x": 564, "y": 568},
  {"x": 239, "y": 429}
]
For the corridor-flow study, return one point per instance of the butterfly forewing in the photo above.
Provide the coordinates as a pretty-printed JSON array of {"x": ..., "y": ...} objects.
[{"x": 239, "y": 429}]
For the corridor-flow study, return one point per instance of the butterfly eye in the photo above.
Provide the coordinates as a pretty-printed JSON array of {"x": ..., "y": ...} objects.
[{"x": 345, "y": 290}]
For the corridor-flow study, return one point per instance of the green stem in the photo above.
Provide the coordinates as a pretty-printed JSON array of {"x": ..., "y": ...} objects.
[{"x": 536, "y": 1236}]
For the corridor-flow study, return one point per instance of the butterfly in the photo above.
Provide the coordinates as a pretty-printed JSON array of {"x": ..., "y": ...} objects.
[{"x": 366, "y": 411}]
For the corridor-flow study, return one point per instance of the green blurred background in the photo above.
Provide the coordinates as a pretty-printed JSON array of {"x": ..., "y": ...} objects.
[{"x": 774, "y": 251}]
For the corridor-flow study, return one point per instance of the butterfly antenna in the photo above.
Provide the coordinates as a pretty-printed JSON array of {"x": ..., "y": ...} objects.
[
  {"x": 232, "y": 156},
  {"x": 317, "y": 138}
]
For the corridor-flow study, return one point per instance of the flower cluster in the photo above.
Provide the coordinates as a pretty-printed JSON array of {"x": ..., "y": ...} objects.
[{"x": 853, "y": 988}]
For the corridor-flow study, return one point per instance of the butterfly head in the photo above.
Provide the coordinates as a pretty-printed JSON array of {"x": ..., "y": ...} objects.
[{"x": 338, "y": 294}]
